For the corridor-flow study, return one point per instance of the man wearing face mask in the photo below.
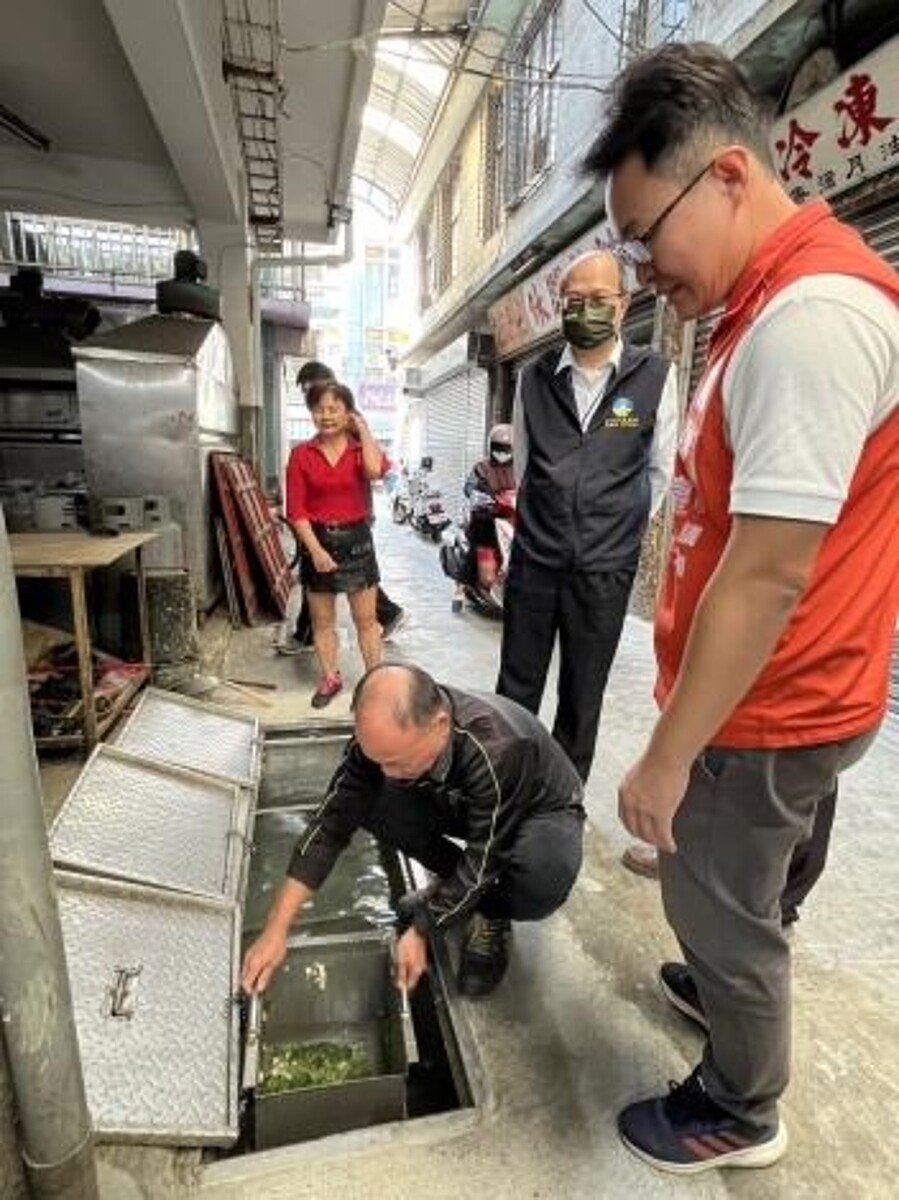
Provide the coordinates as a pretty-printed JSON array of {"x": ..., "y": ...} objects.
[{"x": 594, "y": 435}]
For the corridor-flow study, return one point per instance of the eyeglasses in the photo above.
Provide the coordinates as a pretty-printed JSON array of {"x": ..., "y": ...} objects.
[
  {"x": 635, "y": 251},
  {"x": 575, "y": 302}
]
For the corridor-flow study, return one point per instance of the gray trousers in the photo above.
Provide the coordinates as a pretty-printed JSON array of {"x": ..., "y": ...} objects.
[{"x": 743, "y": 815}]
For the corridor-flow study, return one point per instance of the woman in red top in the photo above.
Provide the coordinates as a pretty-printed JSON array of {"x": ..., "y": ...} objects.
[{"x": 329, "y": 503}]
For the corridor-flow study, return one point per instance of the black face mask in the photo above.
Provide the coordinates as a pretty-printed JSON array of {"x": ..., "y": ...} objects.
[{"x": 589, "y": 325}]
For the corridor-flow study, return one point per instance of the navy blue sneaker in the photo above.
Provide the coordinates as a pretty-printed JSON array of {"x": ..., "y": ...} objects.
[{"x": 686, "y": 1132}]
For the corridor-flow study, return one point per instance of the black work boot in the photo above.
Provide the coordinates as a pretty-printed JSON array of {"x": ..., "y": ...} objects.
[{"x": 485, "y": 955}]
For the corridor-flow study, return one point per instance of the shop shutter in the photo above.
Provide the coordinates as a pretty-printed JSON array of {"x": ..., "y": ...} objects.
[
  {"x": 455, "y": 431},
  {"x": 527, "y": 359},
  {"x": 701, "y": 339},
  {"x": 640, "y": 319},
  {"x": 879, "y": 226}
]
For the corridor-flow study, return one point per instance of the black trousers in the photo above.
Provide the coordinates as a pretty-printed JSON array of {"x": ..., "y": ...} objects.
[
  {"x": 539, "y": 870},
  {"x": 586, "y": 610}
]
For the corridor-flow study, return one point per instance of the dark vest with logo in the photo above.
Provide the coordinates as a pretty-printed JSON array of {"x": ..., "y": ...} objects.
[{"x": 584, "y": 500}]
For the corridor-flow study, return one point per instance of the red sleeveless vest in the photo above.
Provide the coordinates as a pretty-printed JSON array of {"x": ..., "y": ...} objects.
[{"x": 827, "y": 678}]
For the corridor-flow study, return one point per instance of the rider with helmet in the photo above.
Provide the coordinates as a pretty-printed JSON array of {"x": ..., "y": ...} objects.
[{"x": 490, "y": 488}]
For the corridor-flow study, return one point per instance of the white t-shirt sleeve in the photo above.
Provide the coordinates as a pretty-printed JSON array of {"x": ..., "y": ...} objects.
[
  {"x": 664, "y": 443},
  {"x": 519, "y": 436},
  {"x": 816, "y": 374}
]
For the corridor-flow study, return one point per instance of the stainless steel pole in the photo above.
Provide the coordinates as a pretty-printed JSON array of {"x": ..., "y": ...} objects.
[{"x": 38, "y": 1024}]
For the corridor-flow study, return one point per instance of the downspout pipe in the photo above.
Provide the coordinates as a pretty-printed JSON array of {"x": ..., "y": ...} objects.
[{"x": 38, "y": 1023}]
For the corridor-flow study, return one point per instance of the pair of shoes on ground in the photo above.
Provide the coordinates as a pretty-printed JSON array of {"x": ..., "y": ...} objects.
[
  {"x": 328, "y": 687},
  {"x": 484, "y": 956},
  {"x": 686, "y": 1132}
]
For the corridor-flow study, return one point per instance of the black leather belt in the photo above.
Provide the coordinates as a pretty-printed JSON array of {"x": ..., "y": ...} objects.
[{"x": 339, "y": 526}]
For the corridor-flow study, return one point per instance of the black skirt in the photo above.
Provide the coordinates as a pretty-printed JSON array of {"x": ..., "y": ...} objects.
[{"x": 353, "y": 549}]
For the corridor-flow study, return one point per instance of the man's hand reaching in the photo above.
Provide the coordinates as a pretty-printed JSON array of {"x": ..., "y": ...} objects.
[
  {"x": 411, "y": 958},
  {"x": 262, "y": 960}
]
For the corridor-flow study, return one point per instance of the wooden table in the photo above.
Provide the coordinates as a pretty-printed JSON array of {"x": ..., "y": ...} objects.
[{"x": 70, "y": 556}]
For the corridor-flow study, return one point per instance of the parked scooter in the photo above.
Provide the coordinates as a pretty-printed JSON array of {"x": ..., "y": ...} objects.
[
  {"x": 476, "y": 553},
  {"x": 419, "y": 504},
  {"x": 480, "y": 571}
]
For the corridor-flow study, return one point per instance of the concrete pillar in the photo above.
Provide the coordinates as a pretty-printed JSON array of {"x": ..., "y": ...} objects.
[
  {"x": 13, "y": 1185},
  {"x": 38, "y": 1021}
]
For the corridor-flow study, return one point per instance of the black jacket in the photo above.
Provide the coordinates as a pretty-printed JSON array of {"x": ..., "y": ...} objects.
[
  {"x": 585, "y": 498},
  {"x": 501, "y": 767}
]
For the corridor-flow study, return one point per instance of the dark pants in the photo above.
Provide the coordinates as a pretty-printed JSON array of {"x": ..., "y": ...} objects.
[
  {"x": 586, "y": 610},
  {"x": 539, "y": 870},
  {"x": 808, "y": 859},
  {"x": 386, "y": 611},
  {"x": 743, "y": 817}
]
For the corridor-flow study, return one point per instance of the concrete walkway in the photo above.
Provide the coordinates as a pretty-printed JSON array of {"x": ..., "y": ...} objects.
[{"x": 579, "y": 1028}]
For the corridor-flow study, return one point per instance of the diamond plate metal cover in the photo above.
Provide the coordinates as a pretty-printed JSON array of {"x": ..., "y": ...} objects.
[
  {"x": 151, "y": 823},
  {"x": 152, "y": 975},
  {"x": 188, "y": 733}
]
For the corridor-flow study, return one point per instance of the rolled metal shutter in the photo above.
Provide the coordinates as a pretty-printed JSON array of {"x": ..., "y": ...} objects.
[
  {"x": 879, "y": 226},
  {"x": 701, "y": 339},
  {"x": 639, "y": 320},
  {"x": 455, "y": 430},
  {"x": 517, "y": 365}
]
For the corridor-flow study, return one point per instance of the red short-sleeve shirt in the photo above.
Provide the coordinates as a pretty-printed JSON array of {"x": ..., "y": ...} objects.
[{"x": 319, "y": 491}]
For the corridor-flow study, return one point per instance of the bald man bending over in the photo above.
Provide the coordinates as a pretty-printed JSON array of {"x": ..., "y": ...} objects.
[{"x": 429, "y": 763}]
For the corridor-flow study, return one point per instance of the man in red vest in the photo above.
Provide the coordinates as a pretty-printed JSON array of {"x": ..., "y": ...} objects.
[{"x": 777, "y": 614}]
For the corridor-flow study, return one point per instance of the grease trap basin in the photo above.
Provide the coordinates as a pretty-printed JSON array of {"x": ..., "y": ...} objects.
[{"x": 331, "y": 1055}]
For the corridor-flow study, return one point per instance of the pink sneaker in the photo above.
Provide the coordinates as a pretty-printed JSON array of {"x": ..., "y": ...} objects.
[{"x": 328, "y": 687}]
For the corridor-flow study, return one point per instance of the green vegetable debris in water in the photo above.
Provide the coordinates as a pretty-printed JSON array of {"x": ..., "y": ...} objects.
[{"x": 315, "y": 1064}]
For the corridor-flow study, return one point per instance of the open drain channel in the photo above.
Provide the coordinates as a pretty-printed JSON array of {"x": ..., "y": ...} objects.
[{"x": 325, "y": 1051}]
